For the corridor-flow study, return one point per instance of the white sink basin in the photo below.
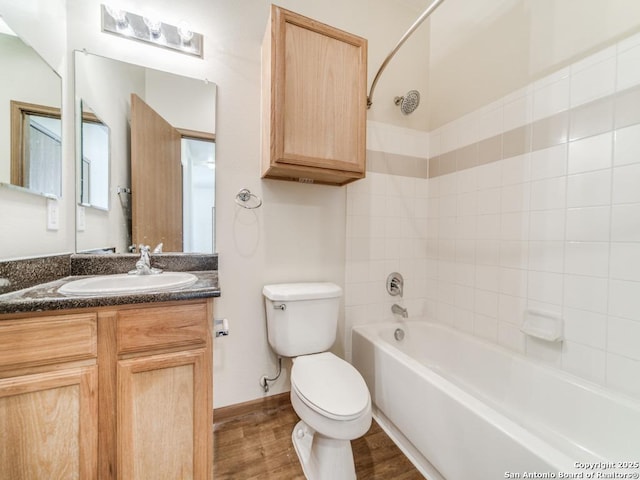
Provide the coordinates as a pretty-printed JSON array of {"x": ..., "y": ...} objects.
[{"x": 123, "y": 284}]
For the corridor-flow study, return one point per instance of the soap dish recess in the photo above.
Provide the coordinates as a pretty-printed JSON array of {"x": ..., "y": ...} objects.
[{"x": 544, "y": 325}]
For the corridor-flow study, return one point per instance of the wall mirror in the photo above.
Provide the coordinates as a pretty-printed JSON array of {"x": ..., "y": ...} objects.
[
  {"x": 94, "y": 159},
  {"x": 160, "y": 151},
  {"x": 30, "y": 119}
]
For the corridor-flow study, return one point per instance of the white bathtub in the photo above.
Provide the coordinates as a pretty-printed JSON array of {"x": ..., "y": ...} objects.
[{"x": 468, "y": 409}]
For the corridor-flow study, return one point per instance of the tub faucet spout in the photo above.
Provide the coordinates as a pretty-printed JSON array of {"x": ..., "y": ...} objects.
[{"x": 398, "y": 310}]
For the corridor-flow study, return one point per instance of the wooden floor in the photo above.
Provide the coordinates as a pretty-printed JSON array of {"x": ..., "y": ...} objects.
[{"x": 257, "y": 445}]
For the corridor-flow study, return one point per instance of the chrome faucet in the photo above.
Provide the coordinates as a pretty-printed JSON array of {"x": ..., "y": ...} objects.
[
  {"x": 398, "y": 310},
  {"x": 143, "y": 265}
]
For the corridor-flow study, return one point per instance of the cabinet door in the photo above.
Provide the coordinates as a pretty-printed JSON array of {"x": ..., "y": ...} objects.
[
  {"x": 164, "y": 416},
  {"x": 316, "y": 118},
  {"x": 49, "y": 425}
]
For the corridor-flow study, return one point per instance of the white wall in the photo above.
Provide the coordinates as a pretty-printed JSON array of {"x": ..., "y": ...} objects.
[
  {"x": 23, "y": 215},
  {"x": 482, "y": 50},
  {"x": 299, "y": 233},
  {"x": 189, "y": 112}
]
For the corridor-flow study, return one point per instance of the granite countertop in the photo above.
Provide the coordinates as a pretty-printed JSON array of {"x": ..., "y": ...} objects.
[{"x": 45, "y": 296}]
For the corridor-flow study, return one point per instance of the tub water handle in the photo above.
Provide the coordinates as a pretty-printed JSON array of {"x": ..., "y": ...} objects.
[{"x": 395, "y": 284}]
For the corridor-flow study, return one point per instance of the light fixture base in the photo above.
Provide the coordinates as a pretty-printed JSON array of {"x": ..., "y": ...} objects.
[{"x": 169, "y": 36}]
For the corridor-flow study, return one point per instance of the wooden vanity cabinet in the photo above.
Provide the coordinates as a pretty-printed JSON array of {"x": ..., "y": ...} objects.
[
  {"x": 115, "y": 393},
  {"x": 314, "y": 82},
  {"x": 164, "y": 392},
  {"x": 49, "y": 397}
]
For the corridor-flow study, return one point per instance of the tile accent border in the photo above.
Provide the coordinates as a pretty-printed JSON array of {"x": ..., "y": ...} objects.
[
  {"x": 395, "y": 164},
  {"x": 614, "y": 111}
]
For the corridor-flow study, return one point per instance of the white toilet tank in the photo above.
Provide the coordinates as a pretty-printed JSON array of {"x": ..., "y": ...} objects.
[{"x": 302, "y": 318}]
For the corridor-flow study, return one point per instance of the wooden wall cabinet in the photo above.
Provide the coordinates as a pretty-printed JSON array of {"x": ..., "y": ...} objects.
[
  {"x": 114, "y": 393},
  {"x": 314, "y": 94}
]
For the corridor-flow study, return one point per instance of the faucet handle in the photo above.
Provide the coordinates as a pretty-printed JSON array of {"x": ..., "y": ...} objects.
[
  {"x": 144, "y": 248},
  {"x": 395, "y": 284}
]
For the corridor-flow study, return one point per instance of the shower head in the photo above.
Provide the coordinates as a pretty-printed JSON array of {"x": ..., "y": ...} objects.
[{"x": 409, "y": 102}]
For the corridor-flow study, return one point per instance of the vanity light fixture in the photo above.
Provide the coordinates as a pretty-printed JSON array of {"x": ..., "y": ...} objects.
[{"x": 151, "y": 30}]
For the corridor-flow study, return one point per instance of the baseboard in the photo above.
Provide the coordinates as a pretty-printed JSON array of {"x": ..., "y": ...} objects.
[{"x": 224, "y": 414}]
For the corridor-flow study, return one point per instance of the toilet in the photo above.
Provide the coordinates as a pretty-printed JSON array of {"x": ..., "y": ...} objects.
[{"x": 327, "y": 393}]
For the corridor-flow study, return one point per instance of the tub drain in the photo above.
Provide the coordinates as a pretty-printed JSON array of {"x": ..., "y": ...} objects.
[{"x": 399, "y": 334}]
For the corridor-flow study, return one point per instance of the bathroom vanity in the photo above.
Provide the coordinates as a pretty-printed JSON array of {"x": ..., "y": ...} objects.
[{"x": 107, "y": 387}]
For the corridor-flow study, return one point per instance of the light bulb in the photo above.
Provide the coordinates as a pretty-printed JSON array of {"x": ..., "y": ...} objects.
[
  {"x": 154, "y": 25},
  {"x": 184, "y": 30},
  {"x": 119, "y": 15}
]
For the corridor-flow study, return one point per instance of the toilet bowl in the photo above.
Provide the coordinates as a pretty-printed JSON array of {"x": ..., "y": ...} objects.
[
  {"x": 334, "y": 406},
  {"x": 328, "y": 394}
]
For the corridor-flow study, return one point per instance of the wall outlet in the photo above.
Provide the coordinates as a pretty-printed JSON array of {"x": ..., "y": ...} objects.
[
  {"x": 53, "y": 215},
  {"x": 80, "y": 218}
]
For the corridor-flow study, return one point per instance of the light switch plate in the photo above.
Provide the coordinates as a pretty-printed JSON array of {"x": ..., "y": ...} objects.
[
  {"x": 80, "y": 218},
  {"x": 53, "y": 219}
]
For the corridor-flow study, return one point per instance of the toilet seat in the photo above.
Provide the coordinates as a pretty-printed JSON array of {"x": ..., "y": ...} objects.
[{"x": 330, "y": 386}]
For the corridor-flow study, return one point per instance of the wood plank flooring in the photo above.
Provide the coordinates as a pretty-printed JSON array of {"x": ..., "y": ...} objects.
[{"x": 257, "y": 444}]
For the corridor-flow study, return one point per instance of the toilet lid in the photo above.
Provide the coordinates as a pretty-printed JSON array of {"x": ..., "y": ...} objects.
[{"x": 330, "y": 386}]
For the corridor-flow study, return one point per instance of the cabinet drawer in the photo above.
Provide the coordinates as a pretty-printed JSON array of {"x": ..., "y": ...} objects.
[
  {"x": 152, "y": 328},
  {"x": 45, "y": 340}
]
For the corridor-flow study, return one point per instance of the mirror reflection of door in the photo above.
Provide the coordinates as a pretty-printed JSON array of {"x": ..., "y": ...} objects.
[
  {"x": 36, "y": 148},
  {"x": 173, "y": 183},
  {"x": 156, "y": 179}
]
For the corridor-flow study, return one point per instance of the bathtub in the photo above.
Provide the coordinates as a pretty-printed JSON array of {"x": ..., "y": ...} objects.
[{"x": 463, "y": 408}]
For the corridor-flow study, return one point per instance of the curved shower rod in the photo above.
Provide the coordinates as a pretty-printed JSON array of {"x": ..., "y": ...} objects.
[{"x": 430, "y": 9}]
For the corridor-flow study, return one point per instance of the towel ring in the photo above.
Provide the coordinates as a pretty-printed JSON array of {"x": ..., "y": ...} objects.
[{"x": 244, "y": 196}]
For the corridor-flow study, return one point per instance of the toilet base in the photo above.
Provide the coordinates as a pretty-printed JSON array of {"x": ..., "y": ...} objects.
[{"x": 321, "y": 457}]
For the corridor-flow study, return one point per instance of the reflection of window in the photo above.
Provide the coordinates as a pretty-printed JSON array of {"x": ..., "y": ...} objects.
[
  {"x": 198, "y": 202},
  {"x": 94, "y": 167},
  {"x": 36, "y": 154},
  {"x": 85, "y": 174}
]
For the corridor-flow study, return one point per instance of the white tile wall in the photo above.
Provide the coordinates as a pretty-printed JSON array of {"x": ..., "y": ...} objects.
[
  {"x": 549, "y": 162},
  {"x": 627, "y": 145},
  {"x": 555, "y": 229},
  {"x": 628, "y": 71},
  {"x": 551, "y": 95},
  {"x": 595, "y": 80},
  {"x": 388, "y": 226},
  {"x": 591, "y": 153},
  {"x": 626, "y": 184}
]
